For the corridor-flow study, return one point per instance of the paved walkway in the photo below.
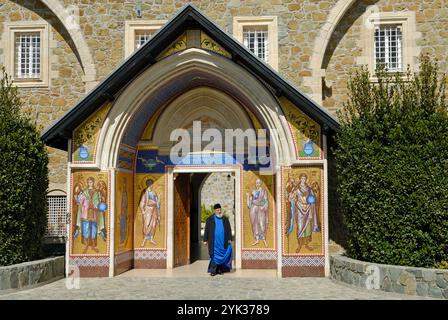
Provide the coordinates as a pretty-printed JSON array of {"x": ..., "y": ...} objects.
[{"x": 191, "y": 282}]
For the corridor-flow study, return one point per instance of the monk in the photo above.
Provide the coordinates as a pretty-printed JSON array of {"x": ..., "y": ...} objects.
[{"x": 218, "y": 237}]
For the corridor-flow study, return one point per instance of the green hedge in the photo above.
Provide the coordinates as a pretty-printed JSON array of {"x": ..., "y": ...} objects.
[
  {"x": 392, "y": 163},
  {"x": 23, "y": 181}
]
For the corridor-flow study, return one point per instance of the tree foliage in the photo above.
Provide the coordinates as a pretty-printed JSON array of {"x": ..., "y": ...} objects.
[
  {"x": 23, "y": 181},
  {"x": 392, "y": 164}
]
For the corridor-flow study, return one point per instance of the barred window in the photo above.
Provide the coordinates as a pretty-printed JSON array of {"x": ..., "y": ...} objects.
[
  {"x": 56, "y": 216},
  {"x": 142, "y": 36},
  {"x": 27, "y": 64},
  {"x": 388, "y": 47},
  {"x": 256, "y": 40}
]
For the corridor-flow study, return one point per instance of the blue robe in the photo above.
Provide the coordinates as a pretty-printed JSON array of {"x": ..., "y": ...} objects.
[{"x": 221, "y": 256}]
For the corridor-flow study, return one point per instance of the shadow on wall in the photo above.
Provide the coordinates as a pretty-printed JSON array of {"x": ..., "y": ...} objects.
[
  {"x": 47, "y": 14},
  {"x": 337, "y": 229},
  {"x": 341, "y": 30}
]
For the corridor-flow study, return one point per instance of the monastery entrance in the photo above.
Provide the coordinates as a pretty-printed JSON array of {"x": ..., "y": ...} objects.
[
  {"x": 193, "y": 81},
  {"x": 193, "y": 192}
]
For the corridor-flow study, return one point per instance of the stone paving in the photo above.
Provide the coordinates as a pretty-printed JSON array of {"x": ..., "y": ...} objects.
[{"x": 202, "y": 288}]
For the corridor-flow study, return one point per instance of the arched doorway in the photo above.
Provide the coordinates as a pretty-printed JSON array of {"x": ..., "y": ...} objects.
[
  {"x": 218, "y": 103},
  {"x": 210, "y": 109}
]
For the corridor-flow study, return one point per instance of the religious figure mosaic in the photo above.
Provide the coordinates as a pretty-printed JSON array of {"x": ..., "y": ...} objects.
[
  {"x": 90, "y": 212},
  {"x": 258, "y": 211},
  {"x": 302, "y": 210},
  {"x": 149, "y": 231},
  {"x": 123, "y": 211}
]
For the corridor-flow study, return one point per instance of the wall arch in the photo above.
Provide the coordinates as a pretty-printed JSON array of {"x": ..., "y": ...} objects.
[
  {"x": 80, "y": 43},
  {"x": 320, "y": 46}
]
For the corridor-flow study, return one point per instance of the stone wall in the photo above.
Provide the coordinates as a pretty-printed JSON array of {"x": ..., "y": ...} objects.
[
  {"x": 218, "y": 188},
  {"x": 345, "y": 48},
  {"x": 48, "y": 104},
  {"x": 23, "y": 275},
  {"x": 406, "y": 280}
]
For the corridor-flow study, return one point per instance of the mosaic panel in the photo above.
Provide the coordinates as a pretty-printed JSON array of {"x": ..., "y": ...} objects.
[
  {"x": 86, "y": 136},
  {"x": 302, "y": 211},
  {"x": 150, "y": 211},
  {"x": 124, "y": 189},
  {"x": 178, "y": 45},
  {"x": 258, "y": 220},
  {"x": 210, "y": 44},
  {"x": 90, "y": 213},
  {"x": 305, "y": 132}
]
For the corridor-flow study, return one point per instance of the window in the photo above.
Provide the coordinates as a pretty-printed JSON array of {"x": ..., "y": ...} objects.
[
  {"x": 256, "y": 40},
  {"x": 137, "y": 33},
  {"x": 259, "y": 35},
  {"x": 388, "y": 47},
  {"x": 141, "y": 37},
  {"x": 27, "y": 53},
  {"x": 56, "y": 217},
  {"x": 389, "y": 39},
  {"x": 26, "y": 56}
]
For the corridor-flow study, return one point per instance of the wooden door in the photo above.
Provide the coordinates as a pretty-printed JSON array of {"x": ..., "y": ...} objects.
[{"x": 181, "y": 220}]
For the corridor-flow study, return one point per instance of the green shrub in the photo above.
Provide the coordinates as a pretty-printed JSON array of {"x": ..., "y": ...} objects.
[
  {"x": 392, "y": 164},
  {"x": 23, "y": 180}
]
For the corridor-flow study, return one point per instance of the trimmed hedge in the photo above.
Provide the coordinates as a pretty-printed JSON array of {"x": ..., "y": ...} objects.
[
  {"x": 392, "y": 163},
  {"x": 23, "y": 181}
]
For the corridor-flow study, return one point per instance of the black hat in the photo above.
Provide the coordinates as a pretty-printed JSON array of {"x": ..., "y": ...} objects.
[{"x": 217, "y": 206}]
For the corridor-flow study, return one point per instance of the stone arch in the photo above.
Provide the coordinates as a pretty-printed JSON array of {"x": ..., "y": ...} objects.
[
  {"x": 320, "y": 46},
  {"x": 192, "y": 67},
  {"x": 80, "y": 43}
]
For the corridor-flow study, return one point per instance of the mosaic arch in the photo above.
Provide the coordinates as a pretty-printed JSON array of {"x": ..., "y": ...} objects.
[
  {"x": 144, "y": 148},
  {"x": 136, "y": 143}
]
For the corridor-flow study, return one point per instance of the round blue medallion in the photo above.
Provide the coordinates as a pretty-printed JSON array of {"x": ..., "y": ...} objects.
[
  {"x": 308, "y": 148},
  {"x": 83, "y": 152},
  {"x": 311, "y": 199},
  {"x": 102, "y": 206}
]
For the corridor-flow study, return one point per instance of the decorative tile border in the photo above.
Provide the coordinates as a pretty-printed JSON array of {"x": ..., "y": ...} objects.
[
  {"x": 150, "y": 255},
  {"x": 259, "y": 255},
  {"x": 301, "y": 261},
  {"x": 89, "y": 261}
]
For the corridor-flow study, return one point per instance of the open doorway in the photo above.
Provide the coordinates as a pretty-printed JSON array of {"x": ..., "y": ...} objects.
[{"x": 194, "y": 197}]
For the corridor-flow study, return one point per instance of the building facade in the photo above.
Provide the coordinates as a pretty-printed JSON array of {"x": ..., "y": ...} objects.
[{"x": 59, "y": 52}]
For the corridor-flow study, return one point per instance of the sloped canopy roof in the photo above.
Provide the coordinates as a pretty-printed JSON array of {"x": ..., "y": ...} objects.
[{"x": 58, "y": 134}]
